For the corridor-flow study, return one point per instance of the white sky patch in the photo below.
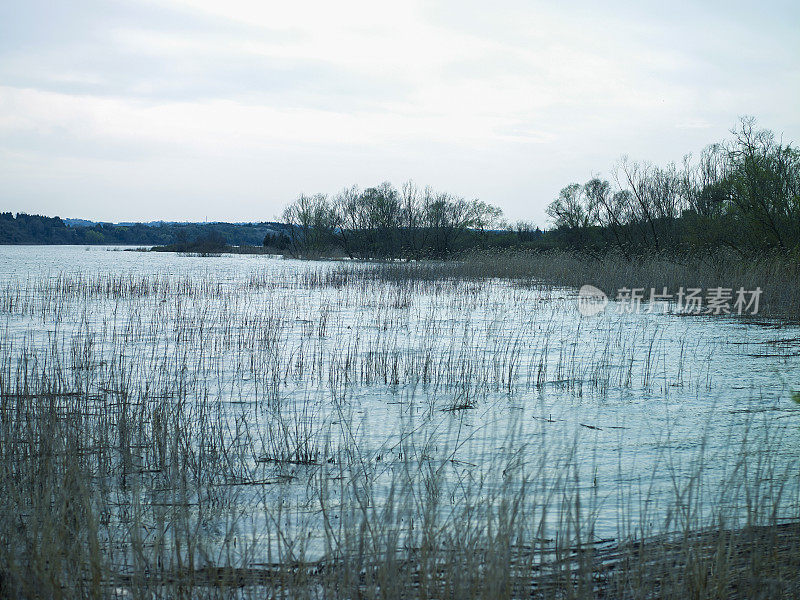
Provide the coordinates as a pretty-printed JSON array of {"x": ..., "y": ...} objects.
[{"x": 509, "y": 105}]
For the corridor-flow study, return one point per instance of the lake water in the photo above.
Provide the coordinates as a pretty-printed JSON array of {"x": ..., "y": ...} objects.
[{"x": 310, "y": 372}]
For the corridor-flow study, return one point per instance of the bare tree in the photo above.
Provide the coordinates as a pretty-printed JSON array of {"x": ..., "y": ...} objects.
[
  {"x": 312, "y": 223},
  {"x": 608, "y": 210},
  {"x": 569, "y": 209}
]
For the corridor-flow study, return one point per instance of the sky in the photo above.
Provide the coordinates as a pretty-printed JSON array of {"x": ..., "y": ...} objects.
[{"x": 192, "y": 110}]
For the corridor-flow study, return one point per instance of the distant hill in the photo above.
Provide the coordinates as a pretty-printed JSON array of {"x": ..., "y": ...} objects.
[
  {"x": 37, "y": 229},
  {"x": 79, "y": 223}
]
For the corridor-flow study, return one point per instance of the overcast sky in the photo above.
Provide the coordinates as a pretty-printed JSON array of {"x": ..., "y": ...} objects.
[{"x": 226, "y": 110}]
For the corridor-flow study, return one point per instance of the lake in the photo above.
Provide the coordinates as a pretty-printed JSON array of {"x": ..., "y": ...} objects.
[{"x": 276, "y": 408}]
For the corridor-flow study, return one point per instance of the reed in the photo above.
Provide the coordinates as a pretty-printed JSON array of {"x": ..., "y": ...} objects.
[{"x": 383, "y": 430}]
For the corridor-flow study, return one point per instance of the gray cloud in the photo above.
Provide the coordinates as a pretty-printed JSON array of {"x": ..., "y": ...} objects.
[{"x": 176, "y": 103}]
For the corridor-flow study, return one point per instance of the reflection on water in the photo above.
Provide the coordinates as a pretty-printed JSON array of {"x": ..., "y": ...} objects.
[{"x": 309, "y": 376}]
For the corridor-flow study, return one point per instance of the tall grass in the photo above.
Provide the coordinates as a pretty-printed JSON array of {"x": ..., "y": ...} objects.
[
  {"x": 777, "y": 275},
  {"x": 176, "y": 436}
]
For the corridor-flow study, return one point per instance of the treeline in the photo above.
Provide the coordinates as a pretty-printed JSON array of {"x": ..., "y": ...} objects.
[
  {"x": 385, "y": 222},
  {"x": 37, "y": 229},
  {"x": 742, "y": 194}
]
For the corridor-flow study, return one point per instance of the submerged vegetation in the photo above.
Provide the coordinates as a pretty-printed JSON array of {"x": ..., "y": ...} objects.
[{"x": 354, "y": 430}]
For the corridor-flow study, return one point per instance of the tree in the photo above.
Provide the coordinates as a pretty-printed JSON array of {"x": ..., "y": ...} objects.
[
  {"x": 312, "y": 222},
  {"x": 764, "y": 186},
  {"x": 656, "y": 198},
  {"x": 609, "y": 210},
  {"x": 570, "y": 210}
]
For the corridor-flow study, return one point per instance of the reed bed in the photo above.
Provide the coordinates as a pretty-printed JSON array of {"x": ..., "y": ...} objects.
[
  {"x": 777, "y": 275},
  {"x": 350, "y": 430}
]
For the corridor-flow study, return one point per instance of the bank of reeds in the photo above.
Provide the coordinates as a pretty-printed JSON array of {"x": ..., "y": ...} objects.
[
  {"x": 777, "y": 275},
  {"x": 177, "y": 436}
]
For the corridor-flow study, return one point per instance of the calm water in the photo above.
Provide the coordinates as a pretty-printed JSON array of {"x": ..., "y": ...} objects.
[{"x": 487, "y": 378}]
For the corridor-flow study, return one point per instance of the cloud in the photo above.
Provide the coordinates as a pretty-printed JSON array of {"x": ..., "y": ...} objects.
[{"x": 507, "y": 104}]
